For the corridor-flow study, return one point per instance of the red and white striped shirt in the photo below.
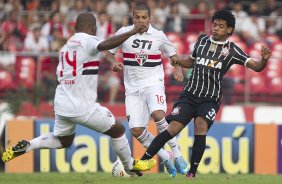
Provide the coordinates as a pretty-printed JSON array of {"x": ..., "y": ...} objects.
[
  {"x": 77, "y": 76},
  {"x": 142, "y": 55}
]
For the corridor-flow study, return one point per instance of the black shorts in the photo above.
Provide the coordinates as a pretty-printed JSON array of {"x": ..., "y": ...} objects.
[{"x": 188, "y": 107}]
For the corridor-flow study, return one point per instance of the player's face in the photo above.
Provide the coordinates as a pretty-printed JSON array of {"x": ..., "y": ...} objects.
[
  {"x": 141, "y": 17},
  {"x": 220, "y": 30}
]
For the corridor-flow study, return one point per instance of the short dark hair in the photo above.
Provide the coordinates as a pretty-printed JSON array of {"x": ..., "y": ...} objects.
[
  {"x": 227, "y": 16},
  {"x": 84, "y": 21},
  {"x": 103, "y": 12},
  {"x": 142, "y": 6}
]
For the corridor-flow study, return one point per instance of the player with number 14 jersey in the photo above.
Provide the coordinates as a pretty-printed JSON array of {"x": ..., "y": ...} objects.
[{"x": 76, "y": 72}]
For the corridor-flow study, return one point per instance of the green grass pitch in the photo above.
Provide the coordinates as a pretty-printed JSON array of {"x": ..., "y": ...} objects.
[{"x": 106, "y": 178}]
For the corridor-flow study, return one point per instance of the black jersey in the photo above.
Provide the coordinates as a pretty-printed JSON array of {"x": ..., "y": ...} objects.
[{"x": 212, "y": 61}]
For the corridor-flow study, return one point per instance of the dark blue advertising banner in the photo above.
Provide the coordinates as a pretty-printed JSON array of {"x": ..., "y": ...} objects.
[
  {"x": 229, "y": 149},
  {"x": 90, "y": 151}
]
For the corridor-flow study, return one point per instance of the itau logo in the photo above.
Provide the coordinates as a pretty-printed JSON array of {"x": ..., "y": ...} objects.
[{"x": 141, "y": 58}]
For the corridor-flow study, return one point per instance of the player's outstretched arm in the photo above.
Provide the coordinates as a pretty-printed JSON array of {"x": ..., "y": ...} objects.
[
  {"x": 260, "y": 65},
  {"x": 185, "y": 63},
  {"x": 116, "y": 40}
]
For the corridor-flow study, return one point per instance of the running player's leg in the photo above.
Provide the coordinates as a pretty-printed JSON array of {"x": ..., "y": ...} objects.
[
  {"x": 102, "y": 120},
  {"x": 156, "y": 100},
  {"x": 182, "y": 113},
  {"x": 173, "y": 129},
  {"x": 62, "y": 137},
  {"x": 138, "y": 117},
  {"x": 205, "y": 115},
  {"x": 180, "y": 116},
  {"x": 199, "y": 145}
]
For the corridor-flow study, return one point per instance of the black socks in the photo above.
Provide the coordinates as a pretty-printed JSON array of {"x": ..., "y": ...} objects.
[
  {"x": 156, "y": 145},
  {"x": 198, "y": 150}
]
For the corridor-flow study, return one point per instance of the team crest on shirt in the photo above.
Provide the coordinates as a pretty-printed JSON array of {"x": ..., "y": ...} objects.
[
  {"x": 175, "y": 110},
  {"x": 224, "y": 51},
  {"x": 213, "y": 47},
  {"x": 141, "y": 58}
]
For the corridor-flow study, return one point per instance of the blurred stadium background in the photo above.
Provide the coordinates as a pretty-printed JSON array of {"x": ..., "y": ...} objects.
[{"x": 247, "y": 136}]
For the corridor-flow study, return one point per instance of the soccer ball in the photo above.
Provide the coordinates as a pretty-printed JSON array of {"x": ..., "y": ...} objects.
[{"x": 118, "y": 170}]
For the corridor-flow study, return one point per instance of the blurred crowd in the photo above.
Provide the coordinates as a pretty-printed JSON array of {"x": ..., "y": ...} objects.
[{"x": 44, "y": 25}]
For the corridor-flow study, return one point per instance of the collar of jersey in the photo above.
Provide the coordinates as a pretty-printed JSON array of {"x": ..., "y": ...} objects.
[
  {"x": 150, "y": 29},
  {"x": 218, "y": 42}
]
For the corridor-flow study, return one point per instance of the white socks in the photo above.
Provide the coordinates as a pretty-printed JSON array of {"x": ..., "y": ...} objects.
[
  {"x": 162, "y": 126},
  {"x": 47, "y": 140},
  {"x": 120, "y": 145},
  {"x": 146, "y": 138},
  {"x": 122, "y": 149}
]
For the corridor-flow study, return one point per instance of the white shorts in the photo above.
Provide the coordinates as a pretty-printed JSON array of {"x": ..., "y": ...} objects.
[
  {"x": 99, "y": 119},
  {"x": 140, "y": 105}
]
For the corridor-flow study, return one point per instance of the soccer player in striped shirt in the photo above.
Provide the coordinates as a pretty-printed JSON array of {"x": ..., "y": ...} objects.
[
  {"x": 201, "y": 98},
  {"x": 144, "y": 84}
]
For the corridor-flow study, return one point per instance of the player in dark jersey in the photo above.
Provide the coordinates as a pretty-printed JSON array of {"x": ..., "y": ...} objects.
[{"x": 201, "y": 97}]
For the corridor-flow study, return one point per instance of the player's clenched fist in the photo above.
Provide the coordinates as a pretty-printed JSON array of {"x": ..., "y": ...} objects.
[
  {"x": 265, "y": 52},
  {"x": 174, "y": 60},
  {"x": 117, "y": 67},
  {"x": 139, "y": 28}
]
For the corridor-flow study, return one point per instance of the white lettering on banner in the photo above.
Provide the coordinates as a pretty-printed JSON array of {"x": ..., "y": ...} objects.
[
  {"x": 44, "y": 153},
  {"x": 84, "y": 159},
  {"x": 90, "y": 152},
  {"x": 242, "y": 165},
  {"x": 61, "y": 162},
  {"x": 268, "y": 115},
  {"x": 233, "y": 114}
]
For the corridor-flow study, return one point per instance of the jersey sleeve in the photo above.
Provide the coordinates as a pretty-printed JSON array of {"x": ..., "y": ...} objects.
[
  {"x": 91, "y": 45},
  {"x": 114, "y": 50},
  {"x": 168, "y": 48},
  {"x": 194, "y": 52},
  {"x": 239, "y": 56}
]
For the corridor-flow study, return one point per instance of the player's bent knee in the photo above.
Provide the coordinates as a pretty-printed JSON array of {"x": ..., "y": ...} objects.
[
  {"x": 174, "y": 128},
  {"x": 119, "y": 127},
  {"x": 137, "y": 131},
  {"x": 66, "y": 141},
  {"x": 201, "y": 126},
  {"x": 116, "y": 131},
  {"x": 158, "y": 115}
]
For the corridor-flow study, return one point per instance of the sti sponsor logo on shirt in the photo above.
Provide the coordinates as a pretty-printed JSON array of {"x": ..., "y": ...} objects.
[
  {"x": 145, "y": 44},
  {"x": 209, "y": 62}
]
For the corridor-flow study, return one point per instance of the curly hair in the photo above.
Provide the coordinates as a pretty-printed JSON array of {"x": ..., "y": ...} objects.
[{"x": 227, "y": 16}]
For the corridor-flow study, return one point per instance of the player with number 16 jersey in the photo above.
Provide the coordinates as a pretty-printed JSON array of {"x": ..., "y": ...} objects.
[{"x": 144, "y": 84}]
